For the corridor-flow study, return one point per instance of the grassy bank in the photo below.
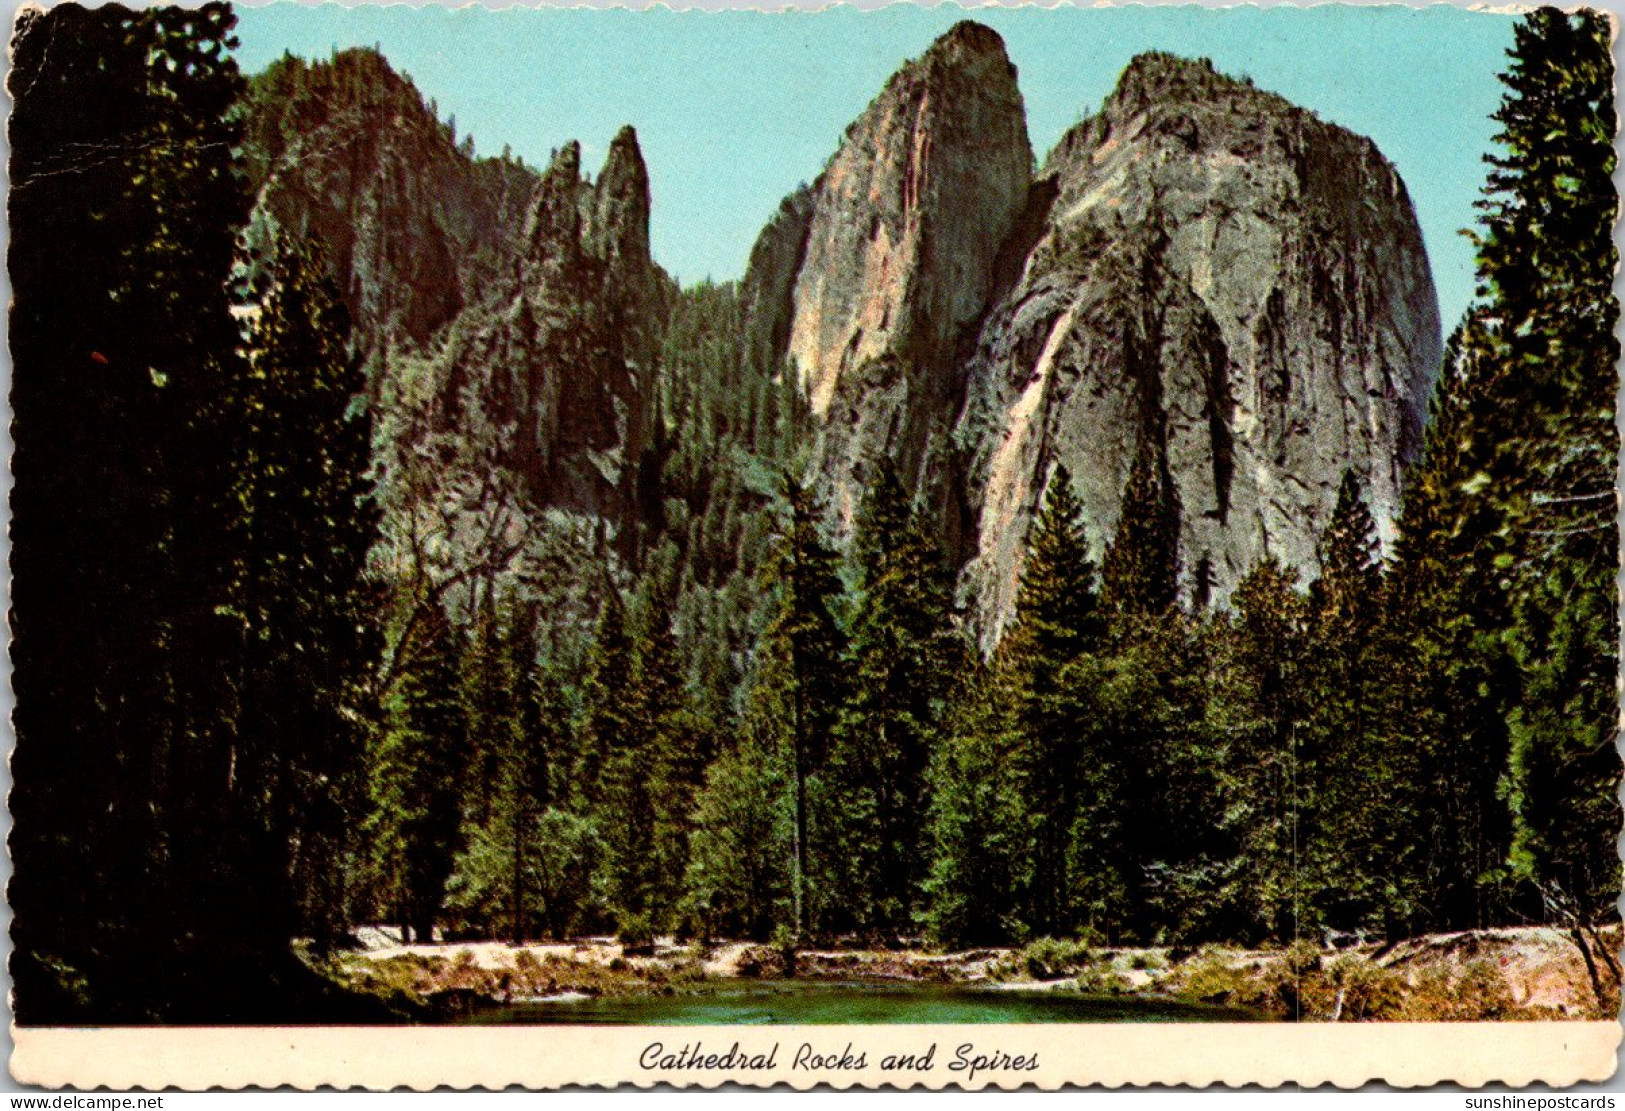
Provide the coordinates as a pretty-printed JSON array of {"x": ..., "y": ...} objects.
[{"x": 1528, "y": 974}]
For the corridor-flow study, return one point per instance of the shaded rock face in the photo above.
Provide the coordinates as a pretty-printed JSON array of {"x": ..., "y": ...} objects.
[
  {"x": 875, "y": 300},
  {"x": 1232, "y": 270},
  {"x": 768, "y": 293},
  {"x": 345, "y": 153},
  {"x": 556, "y": 364},
  {"x": 512, "y": 311}
]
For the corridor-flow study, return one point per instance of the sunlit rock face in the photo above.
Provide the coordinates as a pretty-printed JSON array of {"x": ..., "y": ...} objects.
[{"x": 896, "y": 265}]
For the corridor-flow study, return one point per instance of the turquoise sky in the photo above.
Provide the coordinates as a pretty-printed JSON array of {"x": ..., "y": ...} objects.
[{"x": 735, "y": 108}]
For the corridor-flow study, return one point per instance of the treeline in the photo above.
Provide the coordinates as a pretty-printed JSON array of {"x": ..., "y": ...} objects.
[
  {"x": 270, "y": 688},
  {"x": 190, "y": 522}
]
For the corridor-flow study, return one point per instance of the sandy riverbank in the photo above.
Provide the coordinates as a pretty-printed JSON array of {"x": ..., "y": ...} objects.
[{"x": 1499, "y": 974}]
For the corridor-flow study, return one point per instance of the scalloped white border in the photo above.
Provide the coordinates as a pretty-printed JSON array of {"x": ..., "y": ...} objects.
[
  {"x": 1408, "y": 1055},
  {"x": 1113, "y": 1055}
]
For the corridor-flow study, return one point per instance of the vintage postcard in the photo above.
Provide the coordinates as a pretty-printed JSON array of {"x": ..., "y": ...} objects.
[{"x": 939, "y": 547}]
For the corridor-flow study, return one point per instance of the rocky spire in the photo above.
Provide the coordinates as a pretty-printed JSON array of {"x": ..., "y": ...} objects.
[
  {"x": 619, "y": 227},
  {"x": 554, "y": 223}
]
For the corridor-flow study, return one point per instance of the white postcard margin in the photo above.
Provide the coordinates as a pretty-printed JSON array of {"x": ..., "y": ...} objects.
[{"x": 934, "y": 1057}]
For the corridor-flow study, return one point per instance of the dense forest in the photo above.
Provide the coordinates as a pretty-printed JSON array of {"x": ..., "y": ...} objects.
[{"x": 263, "y": 694}]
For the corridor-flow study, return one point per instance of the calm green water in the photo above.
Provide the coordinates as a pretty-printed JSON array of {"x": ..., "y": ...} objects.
[{"x": 826, "y": 1003}]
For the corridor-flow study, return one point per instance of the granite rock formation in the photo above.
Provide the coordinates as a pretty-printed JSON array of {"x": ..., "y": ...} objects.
[
  {"x": 556, "y": 363},
  {"x": 1230, "y": 276},
  {"x": 516, "y": 313},
  {"x": 1201, "y": 265},
  {"x": 897, "y": 263},
  {"x": 345, "y": 153}
]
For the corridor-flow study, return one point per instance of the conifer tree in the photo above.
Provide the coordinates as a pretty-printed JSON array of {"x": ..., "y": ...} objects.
[
  {"x": 488, "y": 692},
  {"x": 607, "y": 723},
  {"x": 649, "y": 779},
  {"x": 514, "y": 740},
  {"x": 1509, "y": 538},
  {"x": 418, "y": 782},
  {"x": 124, "y": 344},
  {"x": 1346, "y": 593},
  {"x": 1546, "y": 264},
  {"x": 1450, "y": 607},
  {"x": 1140, "y": 571},
  {"x": 1354, "y": 761},
  {"x": 680, "y": 745},
  {"x": 304, "y": 523},
  {"x": 900, "y": 659},
  {"x": 1056, "y": 624},
  {"x": 528, "y": 773},
  {"x": 980, "y": 836},
  {"x": 1268, "y": 646},
  {"x": 800, "y": 685}
]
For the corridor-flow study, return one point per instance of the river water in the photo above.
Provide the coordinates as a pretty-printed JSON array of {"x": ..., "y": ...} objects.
[{"x": 769, "y": 1003}]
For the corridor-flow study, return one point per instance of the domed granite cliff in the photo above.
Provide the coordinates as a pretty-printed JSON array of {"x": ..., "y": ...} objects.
[
  {"x": 1200, "y": 265},
  {"x": 1231, "y": 277}
]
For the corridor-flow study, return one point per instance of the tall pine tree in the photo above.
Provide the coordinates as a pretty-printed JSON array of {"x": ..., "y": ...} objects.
[
  {"x": 800, "y": 685},
  {"x": 1140, "y": 571},
  {"x": 1509, "y": 535},
  {"x": 1546, "y": 269},
  {"x": 901, "y": 660},
  {"x": 131, "y": 878},
  {"x": 304, "y": 524},
  {"x": 418, "y": 776},
  {"x": 1057, "y": 623}
]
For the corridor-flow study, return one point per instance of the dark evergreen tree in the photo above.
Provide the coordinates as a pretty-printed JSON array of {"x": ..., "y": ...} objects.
[
  {"x": 130, "y": 876},
  {"x": 1460, "y": 680},
  {"x": 633, "y": 787},
  {"x": 1345, "y": 595},
  {"x": 681, "y": 743},
  {"x": 1056, "y": 624},
  {"x": 981, "y": 859},
  {"x": 1354, "y": 759},
  {"x": 488, "y": 692},
  {"x": 800, "y": 684},
  {"x": 304, "y": 525},
  {"x": 418, "y": 780},
  {"x": 496, "y": 884},
  {"x": 607, "y": 722},
  {"x": 1140, "y": 571},
  {"x": 901, "y": 661},
  {"x": 528, "y": 772},
  {"x": 1267, "y": 649},
  {"x": 1546, "y": 267},
  {"x": 1509, "y": 540}
]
